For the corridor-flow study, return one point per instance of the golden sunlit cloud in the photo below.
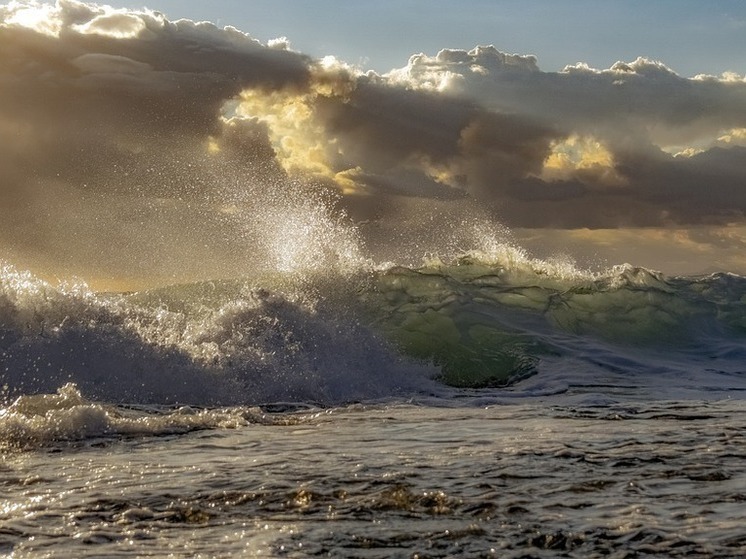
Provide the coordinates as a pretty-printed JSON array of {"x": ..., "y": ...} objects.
[
  {"x": 734, "y": 137},
  {"x": 298, "y": 140},
  {"x": 688, "y": 152},
  {"x": 581, "y": 157},
  {"x": 349, "y": 181},
  {"x": 302, "y": 144}
]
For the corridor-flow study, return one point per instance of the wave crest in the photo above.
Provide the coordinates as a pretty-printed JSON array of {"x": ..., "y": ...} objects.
[{"x": 476, "y": 321}]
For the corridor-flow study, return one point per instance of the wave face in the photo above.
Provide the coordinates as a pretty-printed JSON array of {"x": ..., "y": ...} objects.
[
  {"x": 486, "y": 324},
  {"x": 472, "y": 322}
]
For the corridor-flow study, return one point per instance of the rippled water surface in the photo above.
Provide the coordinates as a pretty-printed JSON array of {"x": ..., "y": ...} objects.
[{"x": 664, "y": 479}]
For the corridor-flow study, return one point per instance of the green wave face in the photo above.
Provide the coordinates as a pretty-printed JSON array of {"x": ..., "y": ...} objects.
[
  {"x": 441, "y": 319},
  {"x": 488, "y": 326}
]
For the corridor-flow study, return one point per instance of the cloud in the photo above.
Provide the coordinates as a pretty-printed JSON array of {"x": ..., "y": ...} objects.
[
  {"x": 642, "y": 96},
  {"x": 106, "y": 117},
  {"x": 361, "y": 128},
  {"x": 593, "y": 148},
  {"x": 127, "y": 137}
]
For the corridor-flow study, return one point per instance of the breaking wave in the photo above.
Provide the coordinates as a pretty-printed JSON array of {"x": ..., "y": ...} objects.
[{"x": 480, "y": 320}]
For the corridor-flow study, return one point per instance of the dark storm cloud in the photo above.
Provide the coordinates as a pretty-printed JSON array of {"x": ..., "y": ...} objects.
[
  {"x": 106, "y": 118},
  {"x": 122, "y": 129},
  {"x": 592, "y": 148},
  {"x": 165, "y": 80},
  {"x": 622, "y": 126},
  {"x": 381, "y": 127}
]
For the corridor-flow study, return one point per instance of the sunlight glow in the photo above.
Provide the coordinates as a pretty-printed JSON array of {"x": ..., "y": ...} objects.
[
  {"x": 212, "y": 145},
  {"x": 39, "y": 18},
  {"x": 578, "y": 157},
  {"x": 301, "y": 142}
]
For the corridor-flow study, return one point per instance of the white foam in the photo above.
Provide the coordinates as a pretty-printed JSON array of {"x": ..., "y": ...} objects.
[{"x": 38, "y": 420}]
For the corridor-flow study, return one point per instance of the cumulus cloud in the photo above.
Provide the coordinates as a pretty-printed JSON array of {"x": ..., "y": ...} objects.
[
  {"x": 127, "y": 137},
  {"x": 115, "y": 151},
  {"x": 578, "y": 148},
  {"x": 616, "y": 127}
]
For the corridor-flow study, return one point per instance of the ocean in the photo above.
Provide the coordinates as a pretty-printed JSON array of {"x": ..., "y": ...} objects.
[{"x": 491, "y": 405}]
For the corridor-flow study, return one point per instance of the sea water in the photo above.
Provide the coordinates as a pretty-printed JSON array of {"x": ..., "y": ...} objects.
[
  {"x": 661, "y": 479},
  {"x": 480, "y": 407}
]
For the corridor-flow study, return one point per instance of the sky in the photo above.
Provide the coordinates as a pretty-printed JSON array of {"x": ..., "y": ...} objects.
[
  {"x": 692, "y": 37},
  {"x": 144, "y": 145}
]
